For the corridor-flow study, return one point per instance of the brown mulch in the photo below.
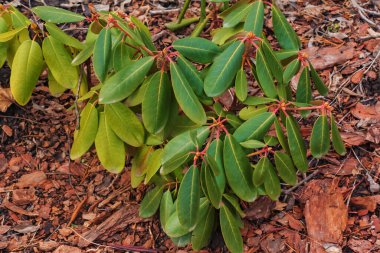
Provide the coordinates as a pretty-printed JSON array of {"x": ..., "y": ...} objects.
[{"x": 51, "y": 204}]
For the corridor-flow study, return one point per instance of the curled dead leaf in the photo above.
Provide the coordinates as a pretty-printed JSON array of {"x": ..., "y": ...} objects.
[{"x": 6, "y": 99}]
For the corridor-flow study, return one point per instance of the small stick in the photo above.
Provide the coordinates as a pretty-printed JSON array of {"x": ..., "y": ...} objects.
[
  {"x": 301, "y": 182},
  {"x": 76, "y": 211}
]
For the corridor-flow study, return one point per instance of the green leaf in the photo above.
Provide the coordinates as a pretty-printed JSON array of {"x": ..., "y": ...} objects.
[
  {"x": 137, "y": 97},
  {"x": 144, "y": 33},
  {"x": 321, "y": 87},
  {"x": 125, "y": 124},
  {"x": 251, "y": 111},
  {"x": 56, "y": 15},
  {"x": 284, "y": 32},
  {"x": 140, "y": 164},
  {"x": 224, "y": 69},
  {"x": 272, "y": 61},
  {"x": 320, "y": 137},
  {"x": 234, "y": 202},
  {"x": 18, "y": 19},
  {"x": 109, "y": 148},
  {"x": 186, "y": 97},
  {"x": 285, "y": 167},
  {"x": 54, "y": 87},
  {"x": 102, "y": 54},
  {"x": 260, "y": 171},
  {"x": 281, "y": 136},
  {"x": 291, "y": 70},
  {"x": 238, "y": 13},
  {"x": 197, "y": 49},
  {"x": 252, "y": 100},
  {"x": 255, "y": 128},
  {"x": 124, "y": 82},
  {"x": 336, "y": 138},
  {"x": 188, "y": 198},
  {"x": 241, "y": 85},
  {"x": 215, "y": 151},
  {"x": 238, "y": 170},
  {"x": 255, "y": 18},
  {"x": 182, "y": 241},
  {"x": 173, "y": 227},
  {"x": 173, "y": 26},
  {"x": 151, "y": 202},
  {"x": 61, "y": 36},
  {"x": 176, "y": 151},
  {"x": 252, "y": 144},
  {"x": 283, "y": 55},
  {"x": 154, "y": 164},
  {"x": 84, "y": 137},
  {"x": 303, "y": 94},
  {"x": 26, "y": 68},
  {"x": 191, "y": 74},
  {"x": 120, "y": 56},
  {"x": 296, "y": 145},
  {"x": 58, "y": 60},
  {"x": 221, "y": 35},
  {"x": 264, "y": 75},
  {"x": 7, "y": 36},
  {"x": 230, "y": 230},
  {"x": 156, "y": 102},
  {"x": 214, "y": 193},
  {"x": 202, "y": 233},
  {"x": 83, "y": 55},
  {"x": 167, "y": 207},
  {"x": 272, "y": 184}
]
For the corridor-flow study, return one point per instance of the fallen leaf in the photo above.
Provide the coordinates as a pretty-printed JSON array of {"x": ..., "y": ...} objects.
[
  {"x": 47, "y": 245},
  {"x": 260, "y": 208},
  {"x": 360, "y": 246},
  {"x": 326, "y": 57},
  {"x": 5, "y": 99},
  {"x": 25, "y": 228},
  {"x": 32, "y": 179},
  {"x": 367, "y": 202},
  {"x": 357, "y": 77},
  {"x": 65, "y": 249},
  {"x": 7, "y": 130},
  {"x": 4, "y": 229},
  {"x": 353, "y": 138},
  {"x": 367, "y": 112}
]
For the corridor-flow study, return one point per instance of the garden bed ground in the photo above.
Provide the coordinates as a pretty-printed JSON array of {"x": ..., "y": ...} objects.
[{"x": 49, "y": 203}]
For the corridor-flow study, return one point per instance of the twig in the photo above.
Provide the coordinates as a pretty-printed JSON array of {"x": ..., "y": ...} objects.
[
  {"x": 76, "y": 211},
  {"x": 301, "y": 182},
  {"x": 362, "y": 11},
  {"x": 374, "y": 60}
]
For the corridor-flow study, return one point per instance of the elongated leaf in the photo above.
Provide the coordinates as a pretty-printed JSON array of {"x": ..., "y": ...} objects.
[
  {"x": 192, "y": 75},
  {"x": 233, "y": 202},
  {"x": 124, "y": 82},
  {"x": 272, "y": 184},
  {"x": 167, "y": 207},
  {"x": 291, "y": 70},
  {"x": 154, "y": 164},
  {"x": 18, "y": 19},
  {"x": 221, "y": 35},
  {"x": 255, "y": 128},
  {"x": 286, "y": 54},
  {"x": 224, "y": 69},
  {"x": 285, "y": 167},
  {"x": 186, "y": 97},
  {"x": 255, "y": 18},
  {"x": 251, "y": 111},
  {"x": 320, "y": 137},
  {"x": 3, "y": 45},
  {"x": 215, "y": 151},
  {"x": 230, "y": 230},
  {"x": 296, "y": 144},
  {"x": 284, "y": 32},
  {"x": 7, "y": 36},
  {"x": 151, "y": 202},
  {"x": 261, "y": 170},
  {"x": 214, "y": 193},
  {"x": 59, "y": 35},
  {"x": 83, "y": 55},
  {"x": 54, "y": 87},
  {"x": 157, "y": 100},
  {"x": 238, "y": 170},
  {"x": 125, "y": 124},
  {"x": 120, "y": 56},
  {"x": 84, "y": 137},
  {"x": 173, "y": 26},
  {"x": 252, "y": 144},
  {"x": 188, "y": 198},
  {"x": 304, "y": 89},
  {"x": 140, "y": 164},
  {"x": 202, "y": 233},
  {"x": 264, "y": 75},
  {"x": 26, "y": 68},
  {"x": 281, "y": 136},
  {"x": 258, "y": 100},
  {"x": 173, "y": 227},
  {"x": 197, "y": 49},
  {"x": 177, "y": 150},
  {"x": 236, "y": 15},
  {"x": 321, "y": 87},
  {"x": 109, "y": 148},
  {"x": 102, "y": 54},
  {"x": 56, "y": 15},
  {"x": 59, "y": 60},
  {"x": 336, "y": 138},
  {"x": 272, "y": 61},
  {"x": 144, "y": 33},
  {"x": 241, "y": 85},
  {"x": 182, "y": 241}
]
